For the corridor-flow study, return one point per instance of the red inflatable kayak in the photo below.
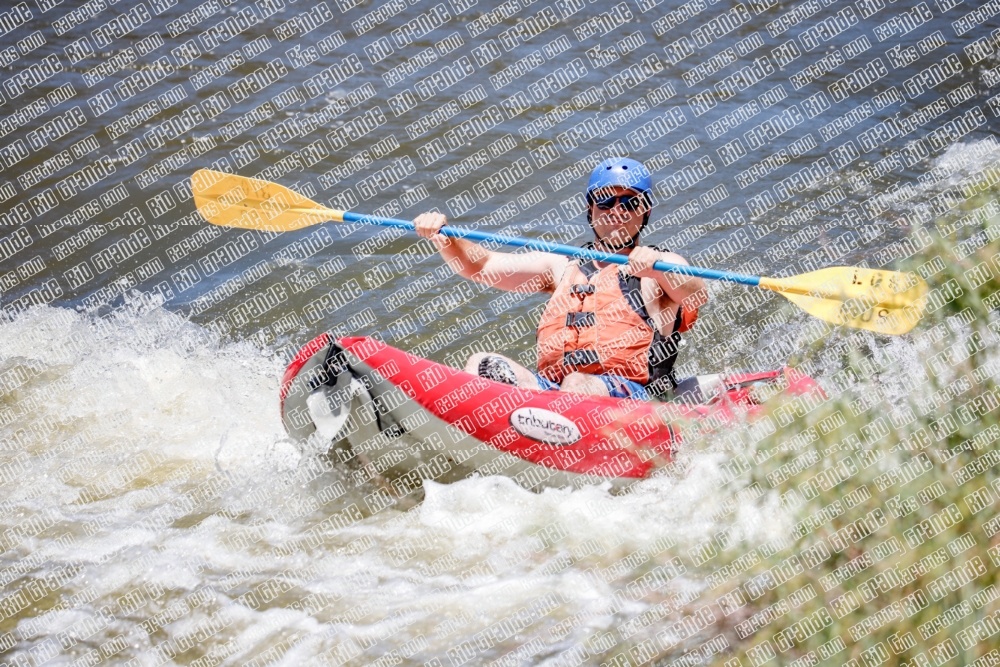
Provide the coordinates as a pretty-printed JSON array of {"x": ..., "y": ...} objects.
[{"x": 407, "y": 419}]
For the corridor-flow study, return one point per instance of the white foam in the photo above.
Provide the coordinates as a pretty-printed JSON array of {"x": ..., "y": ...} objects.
[{"x": 144, "y": 384}]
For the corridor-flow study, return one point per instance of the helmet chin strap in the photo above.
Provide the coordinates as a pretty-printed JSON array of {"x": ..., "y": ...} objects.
[
  {"x": 631, "y": 243},
  {"x": 607, "y": 245}
]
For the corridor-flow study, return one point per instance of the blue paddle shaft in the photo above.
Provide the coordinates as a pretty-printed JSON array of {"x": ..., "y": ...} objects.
[{"x": 557, "y": 248}]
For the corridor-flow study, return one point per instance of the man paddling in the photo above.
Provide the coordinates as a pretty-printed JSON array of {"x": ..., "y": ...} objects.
[{"x": 607, "y": 330}]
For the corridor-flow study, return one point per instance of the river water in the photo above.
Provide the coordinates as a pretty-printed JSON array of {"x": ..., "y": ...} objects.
[{"x": 154, "y": 512}]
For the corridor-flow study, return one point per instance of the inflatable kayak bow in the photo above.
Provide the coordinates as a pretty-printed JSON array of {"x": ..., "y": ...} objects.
[{"x": 407, "y": 419}]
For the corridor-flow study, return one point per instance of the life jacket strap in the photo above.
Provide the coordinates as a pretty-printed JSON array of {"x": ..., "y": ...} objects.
[
  {"x": 581, "y": 358},
  {"x": 580, "y": 320}
]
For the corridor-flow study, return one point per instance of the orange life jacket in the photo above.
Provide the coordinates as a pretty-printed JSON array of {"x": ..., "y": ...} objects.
[{"x": 596, "y": 322}]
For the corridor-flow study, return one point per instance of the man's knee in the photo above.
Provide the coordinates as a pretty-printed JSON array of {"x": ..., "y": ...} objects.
[
  {"x": 575, "y": 382},
  {"x": 581, "y": 383}
]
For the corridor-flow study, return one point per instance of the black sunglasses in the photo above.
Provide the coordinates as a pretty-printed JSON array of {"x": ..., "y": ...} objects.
[{"x": 628, "y": 202}]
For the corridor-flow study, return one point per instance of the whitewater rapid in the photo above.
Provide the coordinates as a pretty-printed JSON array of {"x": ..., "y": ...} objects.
[{"x": 148, "y": 481}]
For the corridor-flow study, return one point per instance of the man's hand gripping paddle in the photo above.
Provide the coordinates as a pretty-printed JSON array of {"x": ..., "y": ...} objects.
[{"x": 888, "y": 302}]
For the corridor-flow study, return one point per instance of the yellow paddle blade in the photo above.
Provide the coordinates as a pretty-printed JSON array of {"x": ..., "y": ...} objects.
[
  {"x": 229, "y": 200},
  {"x": 886, "y": 302}
]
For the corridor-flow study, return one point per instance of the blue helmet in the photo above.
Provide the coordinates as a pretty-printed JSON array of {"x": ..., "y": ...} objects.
[
  {"x": 622, "y": 171},
  {"x": 627, "y": 173}
]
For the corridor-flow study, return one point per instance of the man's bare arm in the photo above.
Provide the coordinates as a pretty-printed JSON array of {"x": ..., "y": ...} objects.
[
  {"x": 528, "y": 272},
  {"x": 687, "y": 290}
]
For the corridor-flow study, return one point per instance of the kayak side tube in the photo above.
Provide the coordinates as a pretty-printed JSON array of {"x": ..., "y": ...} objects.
[{"x": 408, "y": 419}]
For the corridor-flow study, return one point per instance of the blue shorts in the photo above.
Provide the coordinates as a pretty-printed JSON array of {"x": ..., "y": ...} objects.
[{"x": 618, "y": 387}]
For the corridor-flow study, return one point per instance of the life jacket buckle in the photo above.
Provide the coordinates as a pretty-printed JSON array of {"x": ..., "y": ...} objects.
[
  {"x": 580, "y": 320},
  {"x": 581, "y": 358}
]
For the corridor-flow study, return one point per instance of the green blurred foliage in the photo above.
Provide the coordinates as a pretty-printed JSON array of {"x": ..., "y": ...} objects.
[{"x": 892, "y": 485}]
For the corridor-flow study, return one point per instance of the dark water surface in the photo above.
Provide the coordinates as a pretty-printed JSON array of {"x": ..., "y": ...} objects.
[{"x": 373, "y": 148}]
